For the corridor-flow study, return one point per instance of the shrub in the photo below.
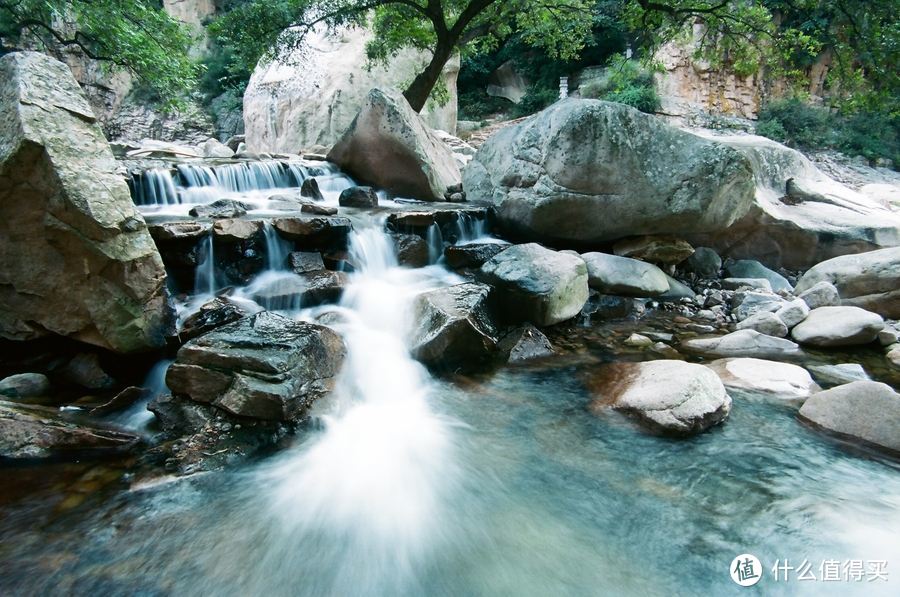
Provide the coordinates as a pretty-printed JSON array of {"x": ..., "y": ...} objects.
[
  {"x": 626, "y": 83},
  {"x": 797, "y": 123},
  {"x": 536, "y": 99}
]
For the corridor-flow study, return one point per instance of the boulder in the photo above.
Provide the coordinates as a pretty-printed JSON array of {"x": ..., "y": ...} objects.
[
  {"x": 314, "y": 232},
  {"x": 453, "y": 326},
  {"x": 236, "y": 231},
  {"x": 358, "y": 197},
  {"x": 669, "y": 396},
  {"x": 86, "y": 371},
  {"x": 746, "y": 304},
  {"x": 388, "y": 145},
  {"x": 893, "y": 356},
  {"x": 67, "y": 221},
  {"x": 753, "y": 283},
  {"x": 25, "y": 385},
  {"x": 838, "y": 326},
  {"x": 588, "y": 171},
  {"x": 749, "y": 268},
  {"x": 290, "y": 292},
  {"x": 412, "y": 250},
  {"x": 869, "y": 280},
  {"x": 793, "y": 312},
  {"x": 705, "y": 262},
  {"x": 821, "y": 294},
  {"x": 611, "y": 274},
  {"x": 471, "y": 255},
  {"x": 223, "y": 208},
  {"x": 214, "y": 314},
  {"x": 264, "y": 366},
  {"x": 835, "y": 375},
  {"x": 301, "y": 262},
  {"x": 765, "y": 322},
  {"x": 318, "y": 210},
  {"x": 35, "y": 432},
  {"x": 309, "y": 188},
  {"x": 525, "y": 343},
  {"x": 743, "y": 343},
  {"x": 778, "y": 380},
  {"x": 862, "y": 411},
  {"x": 213, "y": 148},
  {"x": 661, "y": 250},
  {"x": 677, "y": 291},
  {"x": 536, "y": 284}
]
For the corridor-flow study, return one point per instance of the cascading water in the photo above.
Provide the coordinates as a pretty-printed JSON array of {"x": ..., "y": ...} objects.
[
  {"x": 277, "y": 248},
  {"x": 205, "y": 282},
  {"x": 435, "y": 243}
]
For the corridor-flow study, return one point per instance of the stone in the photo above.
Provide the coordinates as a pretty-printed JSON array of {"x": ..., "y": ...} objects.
[
  {"x": 291, "y": 292},
  {"x": 893, "y": 356},
  {"x": 234, "y": 231},
  {"x": 753, "y": 283},
  {"x": 821, "y": 294},
  {"x": 536, "y": 284},
  {"x": 525, "y": 343},
  {"x": 839, "y": 374},
  {"x": 777, "y": 380},
  {"x": 862, "y": 411},
  {"x": 213, "y": 148},
  {"x": 358, "y": 197},
  {"x": 705, "y": 262},
  {"x": 319, "y": 210},
  {"x": 611, "y": 274},
  {"x": 888, "y": 336},
  {"x": 214, "y": 314},
  {"x": 264, "y": 366},
  {"x": 388, "y": 145},
  {"x": 179, "y": 231},
  {"x": 838, "y": 326},
  {"x": 120, "y": 401},
  {"x": 453, "y": 326},
  {"x": 588, "y": 172},
  {"x": 86, "y": 371},
  {"x": 765, "y": 322},
  {"x": 742, "y": 343},
  {"x": 223, "y": 208},
  {"x": 793, "y": 312},
  {"x": 302, "y": 262},
  {"x": 661, "y": 250},
  {"x": 669, "y": 396},
  {"x": 869, "y": 280},
  {"x": 750, "y": 268},
  {"x": 35, "y": 432},
  {"x": 310, "y": 188},
  {"x": 315, "y": 232},
  {"x": 638, "y": 341},
  {"x": 412, "y": 250},
  {"x": 67, "y": 221},
  {"x": 677, "y": 291},
  {"x": 25, "y": 385},
  {"x": 471, "y": 255},
  {"x": 745, "y": 304}
]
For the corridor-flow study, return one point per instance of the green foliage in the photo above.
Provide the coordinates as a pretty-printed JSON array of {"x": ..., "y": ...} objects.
[
  {"x": 536, "y": 99},
  {"x": 626, "y": 83},
  {"x": 476, "y": 104},
  {"x": 133, "y": 34}
]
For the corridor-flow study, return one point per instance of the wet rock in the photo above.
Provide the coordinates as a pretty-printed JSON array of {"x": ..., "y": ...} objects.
[
  {"x": 318, "y": 210},
  {"x": 25, "y": 385},
  {"x": 889, "y": 335},
  {"x": 454, "y": 326},
  {"x": 412, "y": 250},
  {"x": 301, "y": 262},
  {"x": 778, "y": 380},
  {"x": 472, "y": 255},
  {"x": 745, "y": 304},
  {"x": 862, "y": 411},
  {"x": 677, "y": 291},
  {"x": 264, "y": 366},
  {"x": 749, "y": 268},
  {"x": 765, "y": 322},
  {"x": 234, "y": 231},
  {"x": 179, "y": 231},
  {"x": 705, "y": 262},
  {"x": 638, "y": 341},
  {"x": 611, "y": 274},
  {"x": 120, "y": 401},
  {"x": 223, "y": 208},
  {"x": 524, "y": 344},
  {"x": 843, "y": 373},
  {"x": 291, "y": 292},
  {"x": 536, "y": 284},
  {"x": 310, "y": 188},
  {"x": 667, "y": 395},
  {"x": 358, "y": 197},
  {"x": 743, "y": 343},
  {"x": 214, "y": 314},
  {"x": 661, "y": 250},
  {"x": 793, "y": 312},
  {"x": 315, "y": 232},
  {"x": 86, "y": 371},
  {"x": 213, "y": 148},
  {"x": 177, "y": 415},
  {"x": 820, "y": 294},
  {"x": 867, "y": 280},
  {"x": 753, "y": 283},
  {"x": 838, "y": 326},
  {"x": 388, "y": 145},
  {"x": 36, "y": 432}
]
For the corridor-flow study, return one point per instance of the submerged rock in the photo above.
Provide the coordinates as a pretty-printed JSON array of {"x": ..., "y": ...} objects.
[
  {"x": 67, "y": 221},
  {"x": 388, "y": 145},
  {"x": 536, "y": 284},
  {"x": 264, "y": 366},
  {"x": 524, "y": 344},
  {"x": 862, "y": 411},
  {"x": 838, "y": 326},
  {"x": 778, "y": 380},
  {"x": 743, "y": 343},
  {"x": 669, "y": 396},
  {"x": 839, "y": 374},
  {"x": 611, "y": 274}
]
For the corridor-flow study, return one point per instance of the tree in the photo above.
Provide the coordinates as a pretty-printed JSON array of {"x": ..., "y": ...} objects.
[
  {"x": 133, "y": 34},
  {"x": 261, "y": 28}
]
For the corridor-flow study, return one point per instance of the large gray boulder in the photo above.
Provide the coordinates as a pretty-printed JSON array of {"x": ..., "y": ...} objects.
[
  {"x": 838, "y": 326},
  {"x": 742, "y": 343},
  {"x": 588, "y": 171},
  {"x": 862, "y": 411},
  {"x": 536, "y": 284},
  {"x": 264, "y": 367},
  {"x": 750, "y": 268},
  {"x": 388, "y": 145},
  {"x": 781, "y": 381},
  {"x": 869, "y": 280},
  {"x": 669, "y": 396},
  {"x": 75, "y": 256},
  {"x": 453, "y": 326},
  {"x": 611, "y": 274}
]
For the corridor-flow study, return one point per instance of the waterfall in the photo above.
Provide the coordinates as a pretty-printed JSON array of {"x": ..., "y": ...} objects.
[
  {"x": 277, "y": 248},
  {"x": 367, "y": 494},
  {"x": 435, "y": 243},
  {"x": 469, "y": 228},
  {"x": 205, "y": 274}
]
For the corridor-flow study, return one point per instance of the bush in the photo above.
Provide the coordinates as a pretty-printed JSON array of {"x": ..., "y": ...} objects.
[
  {"x": 536, "y": 99},
  {"x": 478, "y": 105},
  {"x": 641, "y": 98},
  {"x": 796, "y": 123},
  {"x": 626, "y": 83}
]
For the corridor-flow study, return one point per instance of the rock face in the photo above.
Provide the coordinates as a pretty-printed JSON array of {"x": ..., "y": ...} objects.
[
  {"x": 778, "y": 380},
  {"x": 868, "y": 280},
  {"x": 611, "y": 274},
  {"x": 311, "y": 97},
  {"x": 588, "y": 171},
  {"x": 454, "y": 326},
  {"x": 864, "y": 411},
  {"x": 264, "y": 366},
  {"x": 67, "y": 221},
  {"x": 669, "y": 396},
  {"x": 388, "y": 145},
  {"x": 838, "y": 326},
  {"x": 536, "y": 284}
]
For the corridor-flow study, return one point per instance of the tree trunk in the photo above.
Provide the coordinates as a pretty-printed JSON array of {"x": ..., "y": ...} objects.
[{"x": 418, "y": 91}]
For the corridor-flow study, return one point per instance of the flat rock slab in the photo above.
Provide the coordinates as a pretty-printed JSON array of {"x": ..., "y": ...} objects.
[
  {"x": 771, "y": 378},
  {"x": 743, "y": 343}
]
